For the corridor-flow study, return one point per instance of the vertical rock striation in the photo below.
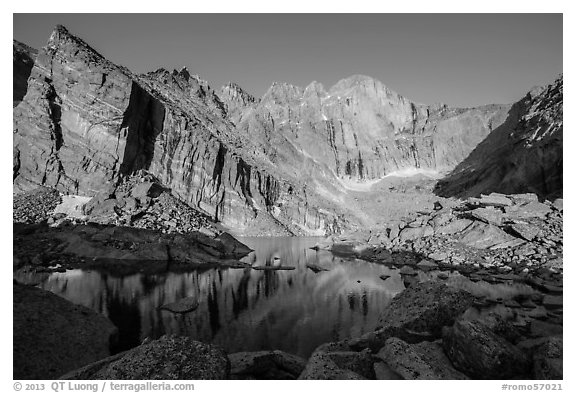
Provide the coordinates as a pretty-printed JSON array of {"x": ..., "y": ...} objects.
[
  {"x": 85, "y": 123},
  {"x": 361, "y": 130}
]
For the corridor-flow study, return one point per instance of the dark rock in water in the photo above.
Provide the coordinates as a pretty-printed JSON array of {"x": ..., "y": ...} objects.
[
  {"x": 408, "y": 271},
  {"x": 267, "y": 267},
  {"x": 475, "y": 350},
  {"x": 53, "y": 336},
  {"x": 548, "y": 359},
  {"x": 425, "y": 360},
  {"x": 233, "y": 247},
  {"x": 334, "y": 362},
  {"x": 182, "y": 306},
  {"x": 316, "y": 268},
  {"x": 168, "y": 358},
  {"x": 265, "y": 365}
]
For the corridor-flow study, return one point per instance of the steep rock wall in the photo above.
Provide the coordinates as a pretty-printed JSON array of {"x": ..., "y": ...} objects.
[
  {"x": 361, "y": 130},
  {"x": 85, "y": 122}
]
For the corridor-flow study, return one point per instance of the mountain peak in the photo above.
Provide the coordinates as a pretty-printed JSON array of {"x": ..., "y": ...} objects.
[
  {"x": 61, "y": 33},
  {"x": 234, "y": 89},
  {"x": 355, "y": 81},
  {"x": 184, "y": 73},
  {"x": 72, "y": 46},
  {"x": 315, "y": 86},
  {"x": 282, "y": 92}
]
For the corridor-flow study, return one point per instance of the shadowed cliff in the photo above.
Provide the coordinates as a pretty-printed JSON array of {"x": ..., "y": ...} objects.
[{"x": 524, "y": 154}]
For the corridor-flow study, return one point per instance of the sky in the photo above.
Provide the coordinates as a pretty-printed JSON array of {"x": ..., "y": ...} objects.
[{"x": 462, "y": 60}]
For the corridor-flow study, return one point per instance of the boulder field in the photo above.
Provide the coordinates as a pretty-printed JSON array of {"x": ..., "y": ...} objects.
[{"x": 502, "y": 233}]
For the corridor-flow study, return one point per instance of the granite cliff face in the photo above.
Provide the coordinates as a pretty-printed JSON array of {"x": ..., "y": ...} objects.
[
  {"x": 236, "y": 100},
  {"x": 360, "y": 130},
  {"x": 85, "y": 123},
  {"x": 297, "y": 160}
]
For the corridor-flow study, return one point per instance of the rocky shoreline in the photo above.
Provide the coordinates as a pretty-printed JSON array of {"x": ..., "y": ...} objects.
[
  {"x": 431, "y": 330},
  {"x": 496, "y": 238}
]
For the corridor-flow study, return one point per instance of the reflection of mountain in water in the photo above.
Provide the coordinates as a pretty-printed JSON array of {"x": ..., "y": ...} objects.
[{"x": 244, "y": 309}]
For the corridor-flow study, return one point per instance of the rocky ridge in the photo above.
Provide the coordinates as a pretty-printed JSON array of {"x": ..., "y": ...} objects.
[{"x": 292, "y": 162}]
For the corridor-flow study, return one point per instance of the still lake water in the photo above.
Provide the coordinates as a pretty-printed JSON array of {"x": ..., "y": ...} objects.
[{"x": 244, "y": 309}]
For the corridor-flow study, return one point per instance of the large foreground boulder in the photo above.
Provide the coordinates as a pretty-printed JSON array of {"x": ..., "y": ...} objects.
[
  {"x": 548, "y": 359},
  {"x": 426, "y": 308},
  {"x": 417, "y": 314},
  {"x": 425, "y": 360},
  {"x": 53, "y": 336},
  {"x": 167, "y": 358},
  {"x": 266, "y": 365},
  {"x": 338, "y": 361},
  {"x": 475, "y": 350}
]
